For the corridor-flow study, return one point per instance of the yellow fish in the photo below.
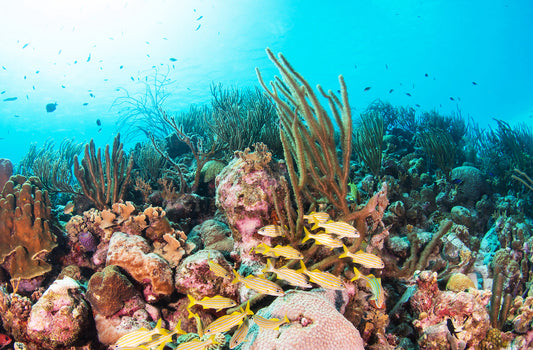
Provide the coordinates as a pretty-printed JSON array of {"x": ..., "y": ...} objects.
[
  {"x": 285, "y": 251},
  {"x": 217, "y": 302},
  {"x": 156, "y": 341},
  {"x": 378, "y": 294},
  {"x": 319, "y": 217},
  {"x": 322, "y": 239},
  {"x": 217, "y": 269},
  {"x": 323, "y": 279},
  {"x": 270, "y": 323},
  {"x": 69, "y": 207},
  {"x": 271, "y": 231},
  {"x": 368, "y": 260},
  {"x": 293, "y": 277},
  {"x": 259, "y": 284},
  {"x": 197, "y": 344},
  {"x": 227, "y": 322},
  {"x": 240, "y": 334},
  {"x": 338, "y": 228},
  {"x": 140, "y": 336}
]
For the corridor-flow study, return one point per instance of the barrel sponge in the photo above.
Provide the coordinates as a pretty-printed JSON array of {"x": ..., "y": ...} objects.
[
  {"x": 315, "y": 324},
  {"x": 25, "y": 236}
]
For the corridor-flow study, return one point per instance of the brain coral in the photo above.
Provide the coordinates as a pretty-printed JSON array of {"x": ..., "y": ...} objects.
[{"x": 314, "y": 324}]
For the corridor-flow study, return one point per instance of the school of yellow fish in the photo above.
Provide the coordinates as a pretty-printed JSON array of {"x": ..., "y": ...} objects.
[{"x": 330, "y": 234}]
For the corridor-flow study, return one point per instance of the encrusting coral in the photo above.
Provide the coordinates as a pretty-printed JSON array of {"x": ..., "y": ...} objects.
[{"x": 25, "y": 229}]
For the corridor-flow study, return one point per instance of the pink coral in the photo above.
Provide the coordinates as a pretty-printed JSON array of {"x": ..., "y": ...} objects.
[
  {"x": 194, "y": 277},
  {"x": 245, "y": 193},
  {"x": 466, "y": 310},
  {"x": 133, "y": 254},
  {"x": 61, "y": 316},
  {"x": 315, "y": 324}
]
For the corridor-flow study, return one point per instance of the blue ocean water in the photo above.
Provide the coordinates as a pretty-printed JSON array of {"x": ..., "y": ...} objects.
[{"x": 473, "y": 56}]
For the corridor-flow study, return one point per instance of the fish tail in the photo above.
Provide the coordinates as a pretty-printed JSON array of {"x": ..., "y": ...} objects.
[
  {"x": 268, "y": 268},
  {"x": 191, "y": 314},
  {"x": 178, "y": 329},
  {"x": 346, "y": 251},
  {"x": 302, "y": 267},
  {"x": 315, "y": 226},
  {"x": 307, "y": 235},
  {"x": 192, "y": 301},
  {"x": 358, "y": 274},
  {"x": 247, "y": 311},
  {"x": 238, "y": 277}
]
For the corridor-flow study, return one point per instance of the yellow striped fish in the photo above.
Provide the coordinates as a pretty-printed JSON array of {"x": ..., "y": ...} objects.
[
  {"x": 319, "y": 217},
  {"x": 293, "y": 277},
  {"x": 158, "y": 340},
  {"x": 323, "y": 279},
  {"x": 261, "y": 249},
  {"x": 217, "y": 302},
  {"x": 197, "y": 344},
  {"x": 259, "y": 284},
  {"x": 368, "y": 260},
  {"x": 338, "y": 228},
  {"x": 322, "y": 239},
  {"x": 218, "y": 269},
  {"x": 271, "y": 231},
  {"x": 227, "y": 322},
  {"x": 240, "y": 334},
  {"x": 139, "y": 336},
  {"x": 378, "y": 294},
  {"x": 285, "y": 251},
  {"x": 270, "y": 323}
]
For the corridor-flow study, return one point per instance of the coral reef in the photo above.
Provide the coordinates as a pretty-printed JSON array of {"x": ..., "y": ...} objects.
[
  {"x": 246, "y": 190},
  {"x": 61, "y": 316},
  {"x": 6, "y": 170},
  {"x": 315, "y": 323},
  {"x": 465, "y": 310},
  {"x": 26, "y": 236},
  {"x": 134, "y": 254},
  {"x": 194, "y": 276}
]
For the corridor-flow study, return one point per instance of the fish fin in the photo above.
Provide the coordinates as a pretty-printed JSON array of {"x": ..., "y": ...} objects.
[
  {"x": 307, "y": 235},
  {"x": 191, "y": 314},
  {"x": 178, "y": 329},
  {"x": 192, "y": 301},
  {"x": 346, "y": 251},
  {"x": 316, "y": 225},
  {"x": 247, "y": 311},
  {"x": 238, "y": 277},
  {"x": 358, "y": 274},
  {"x": 302, "y": 267},
  {"x": 269, "y": 266}
]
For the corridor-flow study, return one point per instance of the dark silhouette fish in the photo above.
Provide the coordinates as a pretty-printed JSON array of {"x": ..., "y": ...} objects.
[
  {"x": 98, "y": 122},
  {"x": 408, "y": 94},
  {"x": 10, "y": 99},
  {"x": 367, "y": 88},
  {"x": 390, "y": 91},
  {"x": 199, "y": 18},
  {"x": 172, "y": 59},
  {"x": 121, "y": 67},
  {"x": 3, "y": 92},
  {"x": 86, "y": 103},
  {"x": 89, "y": 58},
  {"x": 452, "y": 99},
  {"x": 51, "y": 107},
  {"x": 198, "y": 27},
  {"x": 25, "y": 45},
  {"x": 474, "y": 83}
]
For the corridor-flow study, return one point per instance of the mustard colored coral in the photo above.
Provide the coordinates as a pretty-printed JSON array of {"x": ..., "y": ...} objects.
[{"x": 25, "y": 235}]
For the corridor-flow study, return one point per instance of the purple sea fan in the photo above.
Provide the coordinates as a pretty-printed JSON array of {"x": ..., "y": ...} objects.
[{"x": 88, "y": 241}]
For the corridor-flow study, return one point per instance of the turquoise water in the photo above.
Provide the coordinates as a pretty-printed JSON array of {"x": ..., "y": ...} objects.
[{"x": 63, "y": 51}]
